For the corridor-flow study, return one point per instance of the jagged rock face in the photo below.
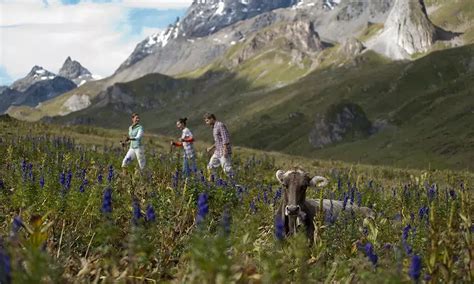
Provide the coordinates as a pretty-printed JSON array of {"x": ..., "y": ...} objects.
[
  {"x": 44, "y": 90},
  {"x": 344, "y": 121},
  {"x": 208, "y": 16},
  {"x": 296, "y": 37},
  {"x": 414, "y": 31},
  {"x": 75, "y": 72},
  {"x": 7, "y": 97},
  {"x": 351, "y": 47},
  {"x": 37, "y": 74},
  {"x": 407, "y": 31},
  {"x": 211, "y": 27}
]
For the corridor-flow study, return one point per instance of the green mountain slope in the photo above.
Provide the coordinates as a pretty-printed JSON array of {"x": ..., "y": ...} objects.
[{"x": 426, "y": 106}]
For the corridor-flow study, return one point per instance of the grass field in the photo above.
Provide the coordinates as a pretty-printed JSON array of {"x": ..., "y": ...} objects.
[{"x": 69, "y": 214}]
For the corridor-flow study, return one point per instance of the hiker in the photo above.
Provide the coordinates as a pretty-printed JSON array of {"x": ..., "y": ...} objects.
[
  {"x": 134, "y": 138},
  {"x": 222, "y": 148},
  {"x": 186, "y": 141}
]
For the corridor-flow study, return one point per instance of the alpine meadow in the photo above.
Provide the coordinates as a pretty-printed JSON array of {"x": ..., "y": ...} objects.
[{"x": 270, "y": 141}]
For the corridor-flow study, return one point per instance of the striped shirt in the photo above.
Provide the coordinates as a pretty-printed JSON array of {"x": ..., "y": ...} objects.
[
  {"x": 221, "y": 137},
  {"x": 187, "y": 146}
]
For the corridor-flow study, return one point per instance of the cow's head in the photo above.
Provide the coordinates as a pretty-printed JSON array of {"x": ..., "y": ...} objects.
[{"x": 295, "y": 183}]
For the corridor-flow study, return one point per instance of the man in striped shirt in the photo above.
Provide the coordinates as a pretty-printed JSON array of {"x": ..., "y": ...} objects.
[{"x": 222, "y": 147}]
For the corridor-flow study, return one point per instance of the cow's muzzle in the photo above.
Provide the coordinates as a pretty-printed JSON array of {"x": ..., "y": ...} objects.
[{"x": 292, "y": 210}]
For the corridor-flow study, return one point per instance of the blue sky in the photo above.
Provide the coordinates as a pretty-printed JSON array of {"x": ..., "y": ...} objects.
[{"x": 100, "y": 34}]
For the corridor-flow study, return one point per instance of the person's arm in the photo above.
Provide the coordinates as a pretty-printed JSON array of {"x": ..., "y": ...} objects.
[{"x": 225, "y": 139}]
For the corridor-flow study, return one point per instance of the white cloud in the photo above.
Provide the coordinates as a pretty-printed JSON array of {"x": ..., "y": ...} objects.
[{"x": 32, "y": 33}]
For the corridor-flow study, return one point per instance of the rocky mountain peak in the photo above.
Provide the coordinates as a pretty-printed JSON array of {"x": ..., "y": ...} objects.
[
  {"x": 407, "y": 30},
  {"x": 75, "y": 72},
  {"x": 36, "y": 74}
]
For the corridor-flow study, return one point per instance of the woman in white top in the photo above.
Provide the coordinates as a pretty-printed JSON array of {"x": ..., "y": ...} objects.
[{"x": 186, "y": 141}]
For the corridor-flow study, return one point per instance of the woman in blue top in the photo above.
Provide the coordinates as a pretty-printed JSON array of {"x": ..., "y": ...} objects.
[{"x": 135, "y": 137}]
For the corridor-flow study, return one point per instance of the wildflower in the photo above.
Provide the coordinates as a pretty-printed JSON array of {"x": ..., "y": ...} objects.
[
  {"x": 100, "y": 178},
  {"x": 452, "y": 193},
  {"x": 344, "y": 203},
  {"x": 387, "y": 246},
  {"x": 431, "y": 192},
  {"x": 405, "y": 233},
  {"x": 253, "y": 207},
  {"x": 359, "y": 198},
  {"x": 137, "y": 214},
  {"x": 203, "y": 207},
  {"x": 150, "y": 213},
  {"x": 110, "y": 177},
  {"x": 369, "y": 251},
  {"x": 5, "y": 266},
  {"x": 279, "y": 228},
  {"x": 62, "y": 178},
  {"x": 415, "y": 268},
  {"x": 107, "y": 201},
  {"x": 42, "y": 181},
  {"x": 423, "y": 211}
]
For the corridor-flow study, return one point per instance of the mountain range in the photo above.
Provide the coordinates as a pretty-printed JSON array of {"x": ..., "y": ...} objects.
[
  {"x": 41, "y": 85},
  {"x": 374, "y": 81}
]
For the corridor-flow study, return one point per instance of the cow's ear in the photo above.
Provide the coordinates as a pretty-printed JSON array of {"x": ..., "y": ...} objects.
[
  {"x": 279, "y": 175},
  {"x": 319, "y": 181}
]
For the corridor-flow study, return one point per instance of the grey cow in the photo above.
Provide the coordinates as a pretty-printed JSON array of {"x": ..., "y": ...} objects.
[{"x": 296, "y": 210}]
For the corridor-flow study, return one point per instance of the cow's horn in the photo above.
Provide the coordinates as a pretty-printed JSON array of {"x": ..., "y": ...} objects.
[
  {"x": 280, "y": 175},
  {"x": 319, "y": 181}
]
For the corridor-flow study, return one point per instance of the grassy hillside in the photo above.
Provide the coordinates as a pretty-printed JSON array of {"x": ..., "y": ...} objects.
[
  {"x": 427, "y": 105},
  {"x": 71, "y": 214}
]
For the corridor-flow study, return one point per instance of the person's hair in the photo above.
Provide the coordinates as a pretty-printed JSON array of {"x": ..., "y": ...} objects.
[
  {"x": 183, "y": 121},
  {"x": 208, "y": 115},
  {"x": 134, "y": 114}
]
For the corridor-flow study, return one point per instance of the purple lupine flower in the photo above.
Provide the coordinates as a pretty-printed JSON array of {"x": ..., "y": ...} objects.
[
  {"x": 68, "y": 180},
  {"x": 427, "y": 277},
  {"x": 452, "y": 193},
  {"x": 107, "y": 201},
  {"x": 344, "y": 203},
  {"x": 406, "y": 231},
  {"x": 5, "y": 266},
  {"x": 110, "y": 177},
  {"x": 279, "y": 228},
  {"x": 431, "y": 192},
  {"x": 137, "y": 214},
  {"x": 412, "y": 216},
  {"x": 100, "y": 178},
  {"x": 339, "y": 183},
  {"x": 62, "y": 178},
  {"x": 150, "y": 213},
  {"x": 203, "y": 207},
  {"x": 415, "y": 268},
  {"x": 369, "y": 252},
  {"x": 352, "y": 193},
  {"x": 277, "y": 195},
  {"x": 16, "y": 225},
  {"x": 424, "y": 211},
  {"x": 359, "y": 198},
  {"x": 41, "y": 182},
  {"x": 253, "y": 207}
]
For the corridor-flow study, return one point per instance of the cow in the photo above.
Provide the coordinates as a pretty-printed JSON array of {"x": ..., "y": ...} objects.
[{"x": 296, "y": 210}]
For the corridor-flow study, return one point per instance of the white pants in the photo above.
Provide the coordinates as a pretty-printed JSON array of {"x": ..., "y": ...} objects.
[
  {"x": 132, "y": 154},
  {"x": 224, "y": 162}
]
